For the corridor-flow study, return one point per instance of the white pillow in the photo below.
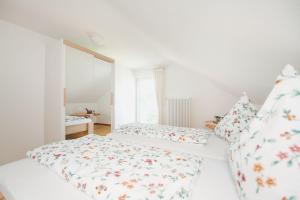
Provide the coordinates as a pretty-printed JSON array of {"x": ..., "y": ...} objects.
[
  {"x": 237, "y": 119},
  {"x": 266, "y": 162},
  {"x": 282, "y": 84}
]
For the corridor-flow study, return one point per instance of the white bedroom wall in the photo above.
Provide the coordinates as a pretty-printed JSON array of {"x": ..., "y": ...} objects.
[
  {"x": 54, "y": 94},
  {"x": 22, "y": 77},
  {"x": 72, "y": 108},
  {"x": 208, "y": 99},
  {"x": 104, "y": 108},
  {"x": 124, "y": 96}
]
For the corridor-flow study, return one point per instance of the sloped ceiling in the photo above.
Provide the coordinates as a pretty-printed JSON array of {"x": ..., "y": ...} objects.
[
  {"x": 74, "y": 19},
  {"x": 241, "y": 45},
  {"x": 238, "y": 45},
  {"x": 87, "y": 78}
]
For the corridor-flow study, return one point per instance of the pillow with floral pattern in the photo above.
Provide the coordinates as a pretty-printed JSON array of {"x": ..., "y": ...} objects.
[
  {"x": 266, "y": 165},
  {"x": 236, "y": 120},
  {"x": 282, "y": 84}
]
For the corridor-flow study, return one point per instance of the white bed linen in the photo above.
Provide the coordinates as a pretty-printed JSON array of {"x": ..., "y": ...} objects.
[
  {"x": 77, "y": 121},
  {"x": 28, "y": 180},
  {"x": 215, "y": 147}
]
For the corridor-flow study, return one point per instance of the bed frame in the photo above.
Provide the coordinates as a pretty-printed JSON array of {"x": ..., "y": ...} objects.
[{"x": 79, "y": 128}]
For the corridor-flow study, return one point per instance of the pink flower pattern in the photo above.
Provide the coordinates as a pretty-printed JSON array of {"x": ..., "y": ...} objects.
[
  {"x": 165, "y": 132},
  {"x": 105, "y": 168},
  {"x": 268, "y": 154},
  {"x": 236, "y": 120}
]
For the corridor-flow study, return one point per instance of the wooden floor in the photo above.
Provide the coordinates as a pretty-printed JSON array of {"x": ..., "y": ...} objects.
[
  {"x": 98, "y": 129},
  {"x": 1, "y": 197},
  {"x": 102, "y": 129}
]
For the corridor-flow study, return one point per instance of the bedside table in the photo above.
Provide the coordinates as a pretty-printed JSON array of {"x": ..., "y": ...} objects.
[{"x": 210, "y": 125}]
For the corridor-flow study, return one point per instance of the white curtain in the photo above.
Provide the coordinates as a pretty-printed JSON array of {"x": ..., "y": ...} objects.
[{"x": 159, "y": 80}]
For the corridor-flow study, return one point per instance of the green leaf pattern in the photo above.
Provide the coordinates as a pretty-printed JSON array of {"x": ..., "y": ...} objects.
[
  {"x": 109, "y": 169},
  {"x": 268, "y": 153}
]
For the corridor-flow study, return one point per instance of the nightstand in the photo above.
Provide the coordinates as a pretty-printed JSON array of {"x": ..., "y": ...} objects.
[{"x": 210, "y": 125}]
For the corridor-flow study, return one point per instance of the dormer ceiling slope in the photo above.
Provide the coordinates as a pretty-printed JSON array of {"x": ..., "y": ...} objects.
[{"x": 238, "y": 45}]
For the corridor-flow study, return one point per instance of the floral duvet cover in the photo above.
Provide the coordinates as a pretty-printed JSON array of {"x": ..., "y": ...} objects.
[
  {"x": 108, "y": 169},
  {"x": 172, "y": 133}
]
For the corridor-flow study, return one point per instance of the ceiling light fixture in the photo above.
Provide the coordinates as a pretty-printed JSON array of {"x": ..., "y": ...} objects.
[{"x": 96, "y": 39}]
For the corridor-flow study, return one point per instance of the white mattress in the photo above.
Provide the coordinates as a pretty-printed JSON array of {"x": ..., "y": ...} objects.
[
  {"x": 77, "y": 121},
  {"x": 27, "y": 180}
]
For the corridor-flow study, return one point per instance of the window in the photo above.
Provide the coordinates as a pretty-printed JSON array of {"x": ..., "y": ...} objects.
[{"x": 147, "y": 111}]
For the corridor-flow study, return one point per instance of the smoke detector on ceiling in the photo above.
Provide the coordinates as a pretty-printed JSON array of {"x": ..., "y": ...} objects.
[{"x": 96, "y": 39}]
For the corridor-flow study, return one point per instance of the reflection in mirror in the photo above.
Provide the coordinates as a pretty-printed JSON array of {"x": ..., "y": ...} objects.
[{"x": 88, "y": 88}]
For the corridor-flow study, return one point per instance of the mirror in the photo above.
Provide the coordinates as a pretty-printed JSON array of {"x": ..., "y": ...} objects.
[{"x": 88, "y": 91}]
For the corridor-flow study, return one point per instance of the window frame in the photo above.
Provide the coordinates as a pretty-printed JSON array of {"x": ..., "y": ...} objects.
[{"x": 144, "y": 75}]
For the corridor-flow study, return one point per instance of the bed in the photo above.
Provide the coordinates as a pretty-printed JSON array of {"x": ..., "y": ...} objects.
[
  {"x": 75, "y": 124},
  {"x": 28, "y": 180}
]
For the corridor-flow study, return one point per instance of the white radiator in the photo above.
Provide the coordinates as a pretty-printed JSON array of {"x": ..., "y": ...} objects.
[{"x": 179, "y": 112}]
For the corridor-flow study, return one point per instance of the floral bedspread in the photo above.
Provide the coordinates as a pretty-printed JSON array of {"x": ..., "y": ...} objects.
[
  {"x": 171, "y": 133},
  {"x": 106, "y": 168}
]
